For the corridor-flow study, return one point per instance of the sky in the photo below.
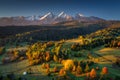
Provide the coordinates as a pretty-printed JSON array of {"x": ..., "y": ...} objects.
[{"x": 107, "y": 9}]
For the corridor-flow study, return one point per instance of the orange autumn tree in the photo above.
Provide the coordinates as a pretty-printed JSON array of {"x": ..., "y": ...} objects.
[
  {"x": 104, "y": 70},
  {"x": 48, "y": 72},
  {"x": 62, "y": 72},
  {"x": 47, "y": 56},
  {"x": 93, "y": 73},
  {"x": 78, "y": 70}
]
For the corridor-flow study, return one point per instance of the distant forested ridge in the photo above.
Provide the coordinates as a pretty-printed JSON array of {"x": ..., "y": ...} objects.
[{"x": 30, "y": 34}]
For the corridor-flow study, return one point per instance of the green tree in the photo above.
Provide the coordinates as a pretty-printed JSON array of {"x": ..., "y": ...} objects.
[{"x": 87, "y": 68}]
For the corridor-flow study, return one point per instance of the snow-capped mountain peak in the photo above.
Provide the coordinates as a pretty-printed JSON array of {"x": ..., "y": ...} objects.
[
  {"x": 62, "y": 13},
  {"x": 81, "y": 15},
  {"x": 48, "y": 18},
  {"x": 46, "y": 15}
]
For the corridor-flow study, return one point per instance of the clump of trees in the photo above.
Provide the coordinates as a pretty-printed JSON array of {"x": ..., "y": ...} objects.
[
  {"x": 46, "y": 51},
  {"x": 77, "y": 67},
  {"x": 103, "y": 75},
  {"x": 114, "y": 43},
  {"x": 14, "y": 55},
  {"x": 37, "y": 53},
  {"x": 108, "y": 37}
]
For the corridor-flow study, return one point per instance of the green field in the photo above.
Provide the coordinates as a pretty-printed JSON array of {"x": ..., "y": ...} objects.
[{"x": 105, "y": 54}]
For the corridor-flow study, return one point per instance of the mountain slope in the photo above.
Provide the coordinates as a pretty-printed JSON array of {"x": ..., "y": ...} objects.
[{"x": 47, "y": 19}]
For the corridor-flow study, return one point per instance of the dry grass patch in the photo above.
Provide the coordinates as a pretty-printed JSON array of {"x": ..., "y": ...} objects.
[{"x": 109, "y": 51}]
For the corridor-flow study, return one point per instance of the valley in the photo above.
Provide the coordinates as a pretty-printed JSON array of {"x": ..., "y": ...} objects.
[{"x": 81, "y": 52}]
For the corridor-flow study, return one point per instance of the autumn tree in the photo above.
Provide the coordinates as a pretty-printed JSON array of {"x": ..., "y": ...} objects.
[
  {"x": 79, "y": 70},
  {"x": 55, "y": 58},
  {"x": 55, "y": 69},
  {"x": 104, "y": 70},
  {"x": 48, "y": 72},
  {"x": 68, "y": 64},
  {"x": 104, "y": 73},
  {"x": 62, "y": 72},
  {"x": 74, "y": 68},
  {"x": 47, "y": 65},
  {"x": 43, "y": 65},
  {"x": 93, "y": 73},
  {"x": 47, "y": 56}
]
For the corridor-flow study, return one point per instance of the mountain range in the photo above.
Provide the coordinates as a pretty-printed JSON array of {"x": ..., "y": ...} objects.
[{"x": 47, "y": 19}]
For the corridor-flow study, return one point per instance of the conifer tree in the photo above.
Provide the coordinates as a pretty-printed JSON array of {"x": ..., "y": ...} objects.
[{"x": 87, "y": 68}]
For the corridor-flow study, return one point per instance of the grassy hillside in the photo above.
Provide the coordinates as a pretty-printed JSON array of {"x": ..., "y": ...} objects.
[{"x": 94, "y": 56}]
